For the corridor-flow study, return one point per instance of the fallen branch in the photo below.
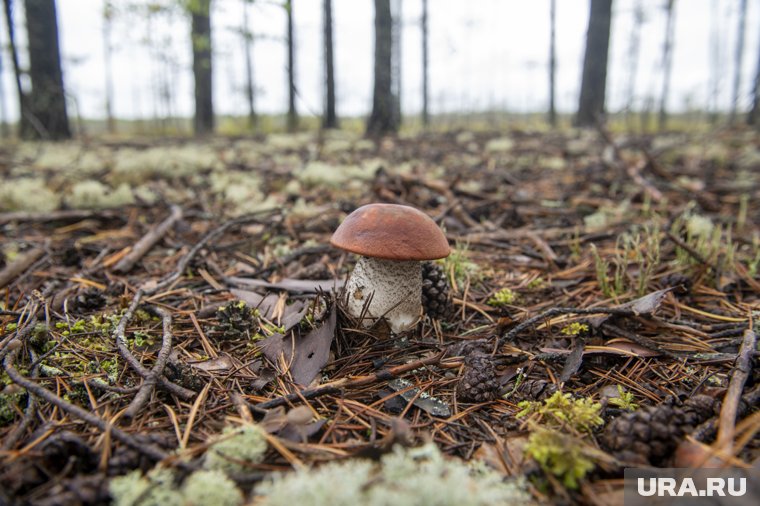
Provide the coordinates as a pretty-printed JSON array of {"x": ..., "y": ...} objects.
[
  {"x": 147, "y": 387},
  {"x": 20, "y": 265},
  {"x": 121, "y": 345},
  {"x": 728, "y": 412},
  {"x": 148, "y": 241},
  {"x": 336, "y": 386},
  {"x": 150, "y": 450}
]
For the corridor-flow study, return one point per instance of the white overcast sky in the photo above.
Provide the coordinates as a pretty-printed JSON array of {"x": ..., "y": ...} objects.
[{"x": 483, "y": 54}]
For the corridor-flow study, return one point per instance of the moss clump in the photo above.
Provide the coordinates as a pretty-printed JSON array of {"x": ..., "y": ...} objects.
[
  {"x": 563, "y": 411},
  {"x": 235, "y": 448},
  {"x": 574, "y": 329},
  {"x": 10, "y": 403},
  {"x": 559, "y": 426},
  {"x": 503, "y": 297},
  {"x": 558, "y": 454},
  {"x": 404, "y": 477},
  {"x": 624, "y": 400}
]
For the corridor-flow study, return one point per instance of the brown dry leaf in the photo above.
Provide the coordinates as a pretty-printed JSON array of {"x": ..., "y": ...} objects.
[{"x": 647, "y": 304}]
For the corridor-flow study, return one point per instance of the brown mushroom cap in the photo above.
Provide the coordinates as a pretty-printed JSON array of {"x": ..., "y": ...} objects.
[{"x": 392, "y": 232}]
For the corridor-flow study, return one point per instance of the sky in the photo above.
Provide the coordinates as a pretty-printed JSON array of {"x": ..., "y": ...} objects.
[{"x": 484, "y": 54}]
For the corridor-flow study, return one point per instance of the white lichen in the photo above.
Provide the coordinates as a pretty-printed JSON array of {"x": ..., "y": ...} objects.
[
  {"x": 154, "y": 489},
  {"x": 417, "y": 476},
  {"x": 27, "y": 194},
  {"x": 322, "y": 174},
  {"x": 235, "y": 448},
  {"x": 211, "y": 488},
  {"x": 95, "y": 195}
]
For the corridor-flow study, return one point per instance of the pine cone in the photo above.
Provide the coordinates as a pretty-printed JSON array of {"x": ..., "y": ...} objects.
[
  {"x": 650, "y": 435},
  {"x": 435, "y": 291},
  {"x": 478, "y": 382},
  {"x": 536, "y": 389},
  {"x": 236, "y": 320},
  {"x": 91, "y": 299}
]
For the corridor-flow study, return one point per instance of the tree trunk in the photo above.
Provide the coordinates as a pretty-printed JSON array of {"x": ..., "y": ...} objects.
[
  {"x": 594, "y": 80},
  {"x": 715, "y": 63},
  {"x": 552, "y": 62},
  {"x": 4, "y": 133},
  {"x": 753, "y": 118},
  {"x": 292, "y": 114},
  {"x": 396, "y": 59},
  {"x": 425, "y": 65},
  {"x": 739, "y": 55},
  {"x": 253, "y": 119},
  {"x": 667, "y": 64},
  {"x": 107, "y": 48},
  {"x": 634, "y": 47},
  {"x": 330, "y": 120},
  {"x": 382, "y": 120},
  {"x": 47, "y": 101},
  {"x": 203, "y": 122}
]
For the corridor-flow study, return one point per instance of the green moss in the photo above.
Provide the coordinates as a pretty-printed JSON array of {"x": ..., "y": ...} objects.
[
  {"x": 559, "y": 455},
  {"x": 503, "y": 297},
  {"x": 458, "y": 266},
  {"x": 10, "y": 403},
  {"x": 562, "y": 410},
  {"x": 574, "y": 329},
  {"x": 624, "y": 400},
  {"x": 404, "y": 477},
  {"x": 235, "y": 447}
]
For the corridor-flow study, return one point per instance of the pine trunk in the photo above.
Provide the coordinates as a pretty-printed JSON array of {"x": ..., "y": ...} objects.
[
  {"x": 552, "y": 63},
  {"x": 292, "y": 114},
  {"x": 382, "y": 119},
  {"x": 425, "y": 65},
  {"x": 667, "y": 65},
  {"x": 330, "y": 120},
  {"x": 47, "y": 101},
  {"x": 594, "y": 80},
  {"x": 203, "y": 123}
]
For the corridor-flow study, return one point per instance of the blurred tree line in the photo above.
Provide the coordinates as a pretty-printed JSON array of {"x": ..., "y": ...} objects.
[{"x": 42, "y": 99}]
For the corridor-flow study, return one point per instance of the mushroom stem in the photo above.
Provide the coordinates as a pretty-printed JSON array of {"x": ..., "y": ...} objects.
[{"x": 395, "y": 288}]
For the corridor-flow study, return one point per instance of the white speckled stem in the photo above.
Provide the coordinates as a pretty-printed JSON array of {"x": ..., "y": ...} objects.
[{"x": 396, "y": 290}]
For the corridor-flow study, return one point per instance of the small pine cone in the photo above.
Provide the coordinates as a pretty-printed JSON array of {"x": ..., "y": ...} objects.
[
  {"x": 236, "y": 320},
  {"x": 536, "y": 389},
  {"x": 478, "y": 382},
  {"x": 650, "y": 435},
  {"x": 91, "y": 299},
  {"x": 435, "y": 291}
]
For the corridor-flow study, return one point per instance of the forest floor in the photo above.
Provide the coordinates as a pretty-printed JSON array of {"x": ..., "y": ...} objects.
[{"x": 602, "y": 296}]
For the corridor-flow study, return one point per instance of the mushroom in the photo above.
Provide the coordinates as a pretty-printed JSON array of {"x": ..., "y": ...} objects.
[{"x": 392, "y": 241}]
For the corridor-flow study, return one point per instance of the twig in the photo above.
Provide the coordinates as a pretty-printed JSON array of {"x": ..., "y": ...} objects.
[
  {"x": 337, "y": 386},
  {"x": 555, "y": 311},
  {"x": 20, "y": 265},
  {"x": 148, "y": 241},
  {"x": 146, "y": 389},
  {"x": 147, "y": 449},
  {"x": 688, "y": 249},
  {"x": 727, "y": 419},
  {"x": 68, "y": 214},
  {"x": 121, "y": 345},
  {"x": 185, "y": 260}
]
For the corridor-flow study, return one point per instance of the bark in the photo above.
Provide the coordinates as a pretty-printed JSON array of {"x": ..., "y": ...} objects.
[
  {"x": 47, "y": 101},
  {"x": 292, "y": 114},
  {"x": 108, "y": 73},
  {"x": 634, "y": 47},
  {"x": 203, "y": 122},
  {"x": 739, "y": 56},
  {"x": 330, "y": 120},
  {"x": 382, "y": 120},
  {"x": 753, "y": 118},
  {"x": 667, "y": 64},
  {"x": 3, "y": 111},
  {"x": 425, "y": 65},
  {"x": 594, "y": 80},
  {"x": 253, "y": 119},
  {"x": 552, "y": 63},
  {"x": 396, "y": 59}
]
